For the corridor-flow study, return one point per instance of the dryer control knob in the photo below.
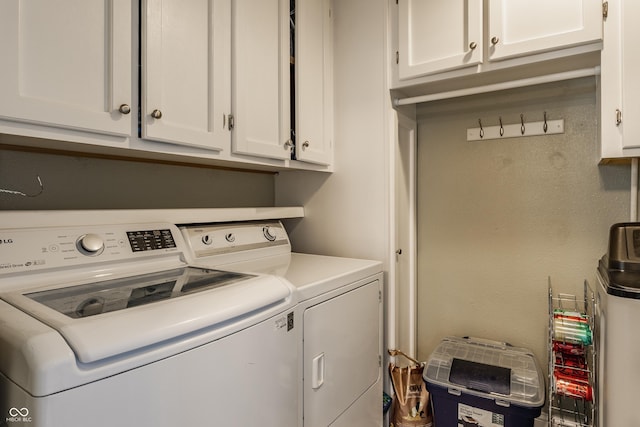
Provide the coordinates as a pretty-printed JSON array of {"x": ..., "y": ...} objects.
[
  {"x": 91, "y": 244},
  {"x": 207, "y": 239},
  {"x": 266, "y": 230}
]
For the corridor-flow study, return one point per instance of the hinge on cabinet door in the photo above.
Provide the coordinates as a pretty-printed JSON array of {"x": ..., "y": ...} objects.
[
  {"x": 231, "y": 121},
  {"x": 618, "y": 117},
  {"x": 605, "y": 9},
  {"x": 379, "y": 296},
  {"x": 379, "y": 360},
  {"x": 397, "y": 57}
]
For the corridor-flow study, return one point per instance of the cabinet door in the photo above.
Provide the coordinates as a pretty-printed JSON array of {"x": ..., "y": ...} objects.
[
  {"x": 523, "y": 27},
  {"x": 630, "y": 67},
  {"x": 619, "y": 85},
  {"x": 314, "y": 81},
  {"x": 185, "y": 95},
  {"x": 438, "y": 35},
  {"x": 66, "y": 64},
  {"x": 260, "y": 78},
  {"x": 341, "y": 350}
]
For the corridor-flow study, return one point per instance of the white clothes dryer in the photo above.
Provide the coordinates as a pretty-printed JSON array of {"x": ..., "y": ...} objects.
[{"x": 339, "y": 316}]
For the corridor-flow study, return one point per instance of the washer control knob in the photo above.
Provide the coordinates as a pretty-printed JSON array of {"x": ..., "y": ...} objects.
[
  {"x": 266, "y": 230},
  {"x": 207, "y": 239},
  {"x": 230, "y": 238},
  {"x": 91, "y": 244}
]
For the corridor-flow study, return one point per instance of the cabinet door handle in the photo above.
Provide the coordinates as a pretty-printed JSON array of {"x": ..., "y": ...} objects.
[
  {"x": 156, "y": 114},
  {"x": 305, "y": 145},
  {"x": 494, "y": 40},
  {"x": 317, "y": 371},
  {"x": 288, "y": 144},
  {"x": 124, "y": 109},
  {"x": 473, "y": 45}
]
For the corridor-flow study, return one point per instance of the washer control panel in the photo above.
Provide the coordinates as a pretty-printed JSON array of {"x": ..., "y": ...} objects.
[{"x": 24, "y": 250}]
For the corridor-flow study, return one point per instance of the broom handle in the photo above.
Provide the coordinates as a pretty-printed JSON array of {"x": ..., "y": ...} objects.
[{"x": 398, "y": 352}]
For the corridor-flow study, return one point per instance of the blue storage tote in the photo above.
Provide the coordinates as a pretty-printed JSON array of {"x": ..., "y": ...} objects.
[{"x": 474, "y": 382}]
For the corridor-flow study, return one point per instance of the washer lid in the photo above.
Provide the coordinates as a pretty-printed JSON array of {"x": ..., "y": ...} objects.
[{"x": 113, "y": 317}]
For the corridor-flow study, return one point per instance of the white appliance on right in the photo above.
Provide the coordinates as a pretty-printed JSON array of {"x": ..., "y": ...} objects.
[
  {"x": 618, "y": 310},
  {"x": 339, "y": 317}
]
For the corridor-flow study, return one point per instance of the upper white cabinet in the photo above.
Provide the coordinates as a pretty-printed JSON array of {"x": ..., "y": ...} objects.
[
  {"x": 314, "y": 81},
  {"x": 67, "y": 64},
  {"x": 215, "y": 80},
  {"x": 619, "y": 83},
  {"x": 185, "y": 92},
  {"x": 261, "y": 78},
  {"x": 452, "y": 38},
  {"x": 437, "y": 36},
  {"x": 524, "y": 27}
]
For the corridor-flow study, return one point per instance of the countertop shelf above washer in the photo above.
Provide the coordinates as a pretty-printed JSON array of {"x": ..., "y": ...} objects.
[{"x": 21, "y": 219}]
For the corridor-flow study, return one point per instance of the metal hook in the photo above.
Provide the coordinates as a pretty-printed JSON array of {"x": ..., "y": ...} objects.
[
  {"x": 545, "y": 126},
  {"x": 20, "y": 193},
  {"x": 501, "y": 127},
  {"x": 522, "y": 124},
  {"x": 481, "y": 129}
]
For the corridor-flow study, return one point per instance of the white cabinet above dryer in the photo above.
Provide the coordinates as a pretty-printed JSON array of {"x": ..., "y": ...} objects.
[
  {"x": 313, "y": 65},
  {"x": 265, "y": 109},
  {"x": 260, "y": 80}
]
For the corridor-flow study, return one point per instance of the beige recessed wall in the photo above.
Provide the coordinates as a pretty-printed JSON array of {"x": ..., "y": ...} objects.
[{"x": 497, "y": 218}]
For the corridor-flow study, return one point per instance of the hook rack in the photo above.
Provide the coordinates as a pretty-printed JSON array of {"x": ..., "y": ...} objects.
[{"x": 501, "y": 131}]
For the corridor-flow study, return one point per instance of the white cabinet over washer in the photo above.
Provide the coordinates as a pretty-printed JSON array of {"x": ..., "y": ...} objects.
[
  {"x": 185, "y": 70},
  {"x": 67, "y": 64},
  {"x": 78, "y": 75}
]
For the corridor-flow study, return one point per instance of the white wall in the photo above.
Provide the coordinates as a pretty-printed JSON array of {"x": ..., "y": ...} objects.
[
  {"x": 496, "y": 218},
  {"x": 347, "y": 212}
]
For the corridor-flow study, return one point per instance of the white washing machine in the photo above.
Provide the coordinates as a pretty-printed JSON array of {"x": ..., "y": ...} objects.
[
  {"x": 109, "y": 326},
  {"x": 339, "y": 311},
  {"x": 618, "y": 311}
]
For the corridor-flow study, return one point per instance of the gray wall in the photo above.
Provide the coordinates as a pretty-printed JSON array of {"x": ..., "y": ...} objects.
[
  {"x": 75, "y": 182},
  {"x": 498, "y": 217}
]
